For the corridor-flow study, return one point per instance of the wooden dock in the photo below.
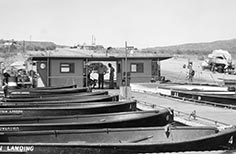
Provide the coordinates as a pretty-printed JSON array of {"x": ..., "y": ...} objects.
[
  {"x": 184, "y": 110},
  {"x": 205, "y": 115}
]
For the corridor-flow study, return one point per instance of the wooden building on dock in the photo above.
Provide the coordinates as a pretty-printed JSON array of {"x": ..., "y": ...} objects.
[{"x": 65, "y": 70}]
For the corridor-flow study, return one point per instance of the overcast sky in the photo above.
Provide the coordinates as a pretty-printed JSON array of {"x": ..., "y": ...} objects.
[{"x": 142, "y": 23}]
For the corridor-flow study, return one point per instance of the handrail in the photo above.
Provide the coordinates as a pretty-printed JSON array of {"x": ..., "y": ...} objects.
[
  {"x": 176, "y": 113},
  {"x": 203, "y": 118}
]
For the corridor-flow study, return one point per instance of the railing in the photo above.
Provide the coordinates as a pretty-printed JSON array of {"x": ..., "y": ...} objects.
[
  {"x": 194, "y": 116},
  {"x": 188, "y": 118}
]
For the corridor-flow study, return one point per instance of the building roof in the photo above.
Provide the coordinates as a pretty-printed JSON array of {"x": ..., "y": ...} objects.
[{"x": 103, "y": 58}]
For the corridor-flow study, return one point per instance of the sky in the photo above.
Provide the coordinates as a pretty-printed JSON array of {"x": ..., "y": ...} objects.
[{"x": 142, "y": 23}]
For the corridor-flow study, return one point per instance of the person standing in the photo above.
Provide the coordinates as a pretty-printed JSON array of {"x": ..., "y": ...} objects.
[
  {"x": 33, "y": 78},
  {"x": 101, "y": 73},
  {"x": 191, "y": 72},
  {"x": 5, "y": 79},
  {"x": 111, "y": 77}
]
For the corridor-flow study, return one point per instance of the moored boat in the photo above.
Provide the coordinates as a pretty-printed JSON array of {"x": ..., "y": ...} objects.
[
  {"x": 54, "y": 87},
  {"x": 118, "y": 140},
  {"x": 228, "y": 81},
  {"x": 111, "y": 120},
  {"x": 54, "y": 97},
  {"x": 75, "y": 101},
  {"x": 48, "y": 91},
  {"x": 201, "y": 89},
  {"x": 214, "y": 94},
  {"x": 220, "y": 98},
  {"x": 190, "y": 87},
  {"x": 82, "y": 108}
]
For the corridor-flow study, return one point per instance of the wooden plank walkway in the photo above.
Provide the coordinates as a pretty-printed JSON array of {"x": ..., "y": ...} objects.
[{"x": 211, "y": 115}]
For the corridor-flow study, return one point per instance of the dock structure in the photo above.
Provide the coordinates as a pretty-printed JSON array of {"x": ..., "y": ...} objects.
[
  {"x": 67, "y": 70},
  {"x": 187, "y": 112}
]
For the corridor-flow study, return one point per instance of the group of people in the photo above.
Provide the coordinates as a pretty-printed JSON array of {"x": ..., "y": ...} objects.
[
  {"x": 21, "y": 78},
  {"x": 24, "y": 77},
  {"x": 102, "y": 70}
]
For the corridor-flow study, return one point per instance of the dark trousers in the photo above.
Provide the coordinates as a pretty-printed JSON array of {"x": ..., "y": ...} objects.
[
  {"x": 5, "y": 90},
  {"x": 111, "y": 82},
  {"x": 100, "y": 81}
]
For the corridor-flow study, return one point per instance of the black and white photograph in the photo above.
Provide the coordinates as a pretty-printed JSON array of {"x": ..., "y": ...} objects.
[{"x": 118, "y": 77}]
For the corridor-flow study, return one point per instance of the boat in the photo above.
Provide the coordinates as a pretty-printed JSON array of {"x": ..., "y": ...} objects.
[
  {"x": 121, "y": 117},
  {"x": 54, "y": 87},
  {"x": 197, "y": 88},
  {"x": 109, "y": 120},
  {"x": 20, "y": 96},
  {"x": 213, "y": 94},
  {"x": 47, "y": 88},
  {"x": 169, "y": 92},
  {"x": 118, "y": 140},
  {"x": 175, "y": 90},
  {"x": 228, "y": 81},
  {"x": 220, "y": 98},
  {"x": 82, "y": 108},
  {"x": 48, "y": 91},
  {"x": 53, "y": 97},
  {"x": 69, "y": 102}
]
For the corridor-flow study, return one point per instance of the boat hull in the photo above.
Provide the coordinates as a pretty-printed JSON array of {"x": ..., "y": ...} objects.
[
  {"x": 114, "y": 141},
  {"x": 55, "y": 87},
  {"x": 83, "y": 108},
  {"x": 211, "y": 94},
  {"x": 87, "y": 99},
  {"x": 223, "y": 99},
  {"x": 115, "y": 120},
  {"x": 188, "y": 87},
  {"x": 53, "y": 97},
  {"x": 48, "y": 91}
]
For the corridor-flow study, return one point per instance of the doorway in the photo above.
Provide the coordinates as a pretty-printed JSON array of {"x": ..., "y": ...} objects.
[{"x": 92, "y": 69}]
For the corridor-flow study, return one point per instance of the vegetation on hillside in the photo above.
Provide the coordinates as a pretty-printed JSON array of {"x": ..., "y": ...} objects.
[
  {"x": 11, "y": 46},
  {"x": 196, "y": 48},
  {"x": 11, "y": 50}
]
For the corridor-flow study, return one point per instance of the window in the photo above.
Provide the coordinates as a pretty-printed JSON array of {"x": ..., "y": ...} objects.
[
  {"x": 67, "y": 67},
  {"x": 137, "y": 68}
]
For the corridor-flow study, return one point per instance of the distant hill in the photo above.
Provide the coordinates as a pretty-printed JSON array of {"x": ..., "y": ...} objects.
[
  {"x": 196, "y": 48},
  {"x": 11, "y": 50},
  {"x": 18, "y": 46}
]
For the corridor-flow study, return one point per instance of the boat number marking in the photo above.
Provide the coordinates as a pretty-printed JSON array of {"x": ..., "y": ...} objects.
[
  {"x": 16, "y": 148},
  {"x": 199, "y": 98},
  {"x": 11, "y": 111},
  {"x": 18, "y": 92},
  {"x": 231, "y": 140},
  {"x": 167, "y": 118},
  {"x": 9, "y": 129}
]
